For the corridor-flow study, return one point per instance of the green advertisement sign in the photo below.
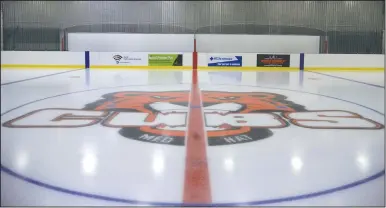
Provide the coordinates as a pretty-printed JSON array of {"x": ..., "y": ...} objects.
[{"x": 165, "y": 59}]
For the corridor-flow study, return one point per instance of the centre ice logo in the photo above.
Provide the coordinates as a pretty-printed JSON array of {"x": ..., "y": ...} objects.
[{"x": 160, "y": 117}]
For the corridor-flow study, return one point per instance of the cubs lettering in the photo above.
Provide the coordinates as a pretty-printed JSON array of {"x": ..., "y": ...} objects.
[{"x": 161, "y": 117}]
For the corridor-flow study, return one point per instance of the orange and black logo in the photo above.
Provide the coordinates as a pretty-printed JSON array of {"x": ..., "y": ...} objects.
[
  {"x": 217, "y": 107},
  {"x": 161, "y": 117}
]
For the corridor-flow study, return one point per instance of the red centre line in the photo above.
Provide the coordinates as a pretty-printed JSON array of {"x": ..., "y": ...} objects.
[{"x": 197, "y": 184}]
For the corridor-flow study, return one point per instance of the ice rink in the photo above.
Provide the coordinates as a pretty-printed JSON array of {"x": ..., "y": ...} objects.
[{"x": 136, "y": 137}]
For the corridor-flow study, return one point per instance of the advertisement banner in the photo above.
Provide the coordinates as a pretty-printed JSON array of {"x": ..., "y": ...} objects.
[
  {"x": 228, "y": 61},
  {"x": 132, "y": 59},
  {"x": 165, "y": 59},
  {"x": 273, "y": 60}
]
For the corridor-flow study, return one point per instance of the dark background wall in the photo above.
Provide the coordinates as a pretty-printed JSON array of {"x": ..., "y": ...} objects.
[{"x": 351, "y": 26}]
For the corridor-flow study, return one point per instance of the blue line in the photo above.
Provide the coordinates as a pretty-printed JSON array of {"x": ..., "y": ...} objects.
[
  {"x": 195, "y": 106},
  {"x": 252, "y": 203},
  {"x": 23, "y": 80},
  {"x": 301, "y": 62},
  {"x": 87, "y": 59},
  {"x": 301, "y": 75},
  {"x": 351, "y": 80},
  {"x": 87, "y": 67},
  {"x": 87, "y": 71}
]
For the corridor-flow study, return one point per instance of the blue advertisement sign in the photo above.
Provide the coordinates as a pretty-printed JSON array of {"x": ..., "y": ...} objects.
[{"x": 227, "y": 61}]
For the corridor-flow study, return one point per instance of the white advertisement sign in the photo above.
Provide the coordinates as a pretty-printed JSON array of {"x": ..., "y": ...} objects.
[{"x": 119, "y": 58}]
